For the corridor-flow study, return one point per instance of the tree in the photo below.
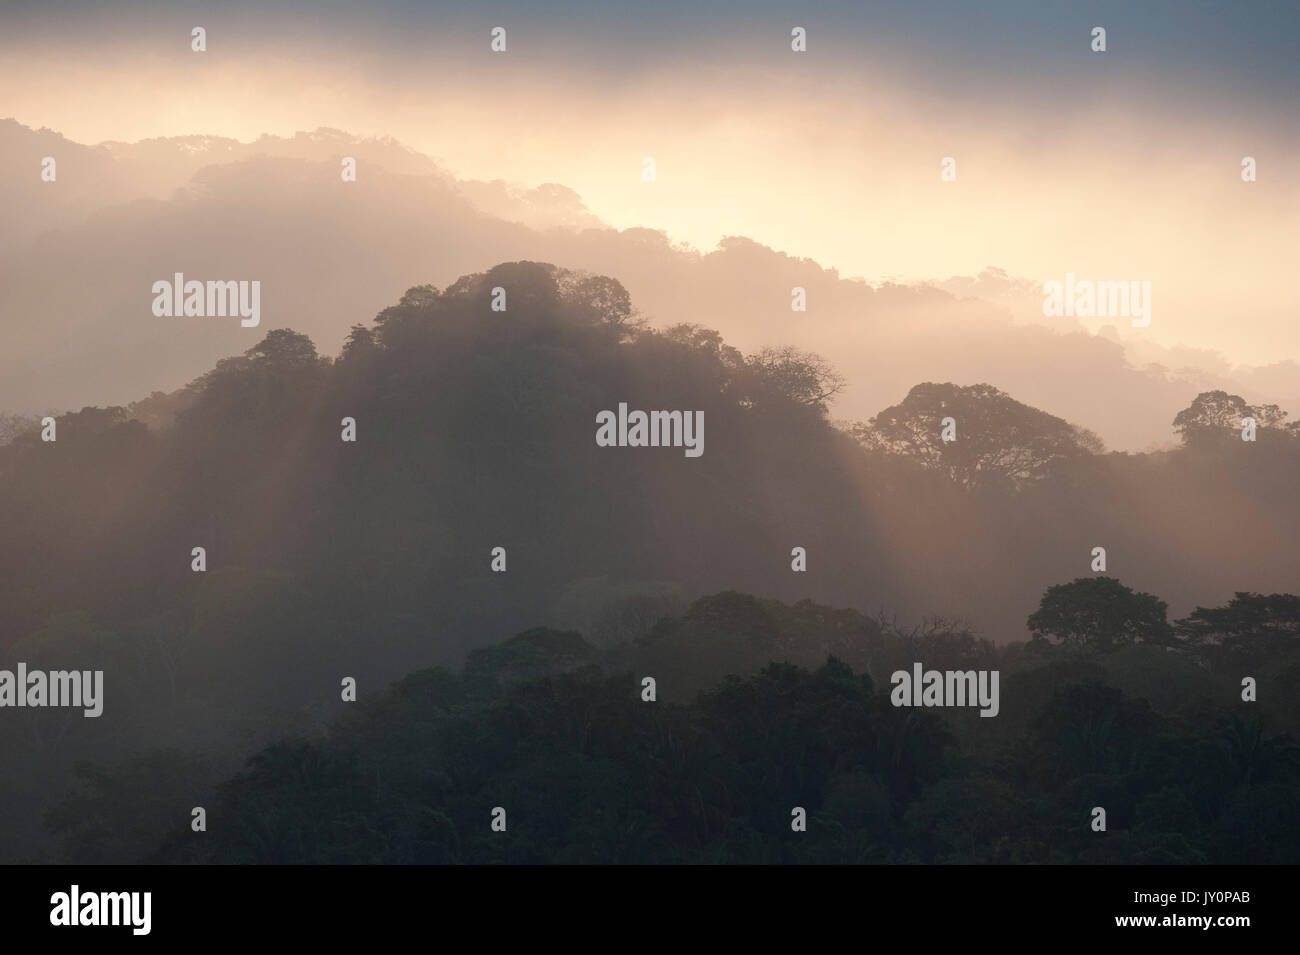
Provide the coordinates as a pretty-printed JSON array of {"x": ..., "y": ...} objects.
[
  {"x": 999, "y": 441},
  {"x": 1216, "y": 416},
  {"x": 704, "y": 341},
  {"x": 597, "y": 299},
  {"x": 1252, "y": 627},
  {"x": 1099, "y": 614},
  {"x": 532, "y": 289},
  {"x": 360, "y": 344},
  {"x": 793, "y": 374},
  {"x": 419, "y": 296},
  {"x": 284, "y": 348}
]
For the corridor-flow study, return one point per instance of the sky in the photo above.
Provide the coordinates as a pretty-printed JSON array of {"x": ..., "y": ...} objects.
[{"x": 1115, "y": 166}]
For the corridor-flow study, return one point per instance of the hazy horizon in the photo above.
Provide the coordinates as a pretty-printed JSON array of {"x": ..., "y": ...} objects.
[{"x": 1123, "y": 165}]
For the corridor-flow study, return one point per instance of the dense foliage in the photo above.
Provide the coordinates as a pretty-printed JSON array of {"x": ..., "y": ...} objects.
[{"x": 328, "y": 559}]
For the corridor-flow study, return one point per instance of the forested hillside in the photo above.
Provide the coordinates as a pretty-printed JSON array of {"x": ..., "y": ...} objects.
[{"x": 326, "y": 558}]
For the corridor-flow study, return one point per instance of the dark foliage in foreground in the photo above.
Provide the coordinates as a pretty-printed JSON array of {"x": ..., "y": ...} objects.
[{"x": 588, "y": 771}]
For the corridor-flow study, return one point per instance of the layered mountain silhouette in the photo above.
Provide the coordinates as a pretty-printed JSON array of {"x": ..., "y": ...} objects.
[{"x": 78, "y": 264}]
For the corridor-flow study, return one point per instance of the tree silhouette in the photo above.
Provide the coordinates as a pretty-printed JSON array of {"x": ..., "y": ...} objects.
[
  {"x": 1250, "y": 628},
  {"x": 999, "y": 440},
  {"x": 794, "y": 375},
  {"x": 1215, "y": 417},
  {"x": 1099, "y": 614},
  {"x": 284, "y": 348}
]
